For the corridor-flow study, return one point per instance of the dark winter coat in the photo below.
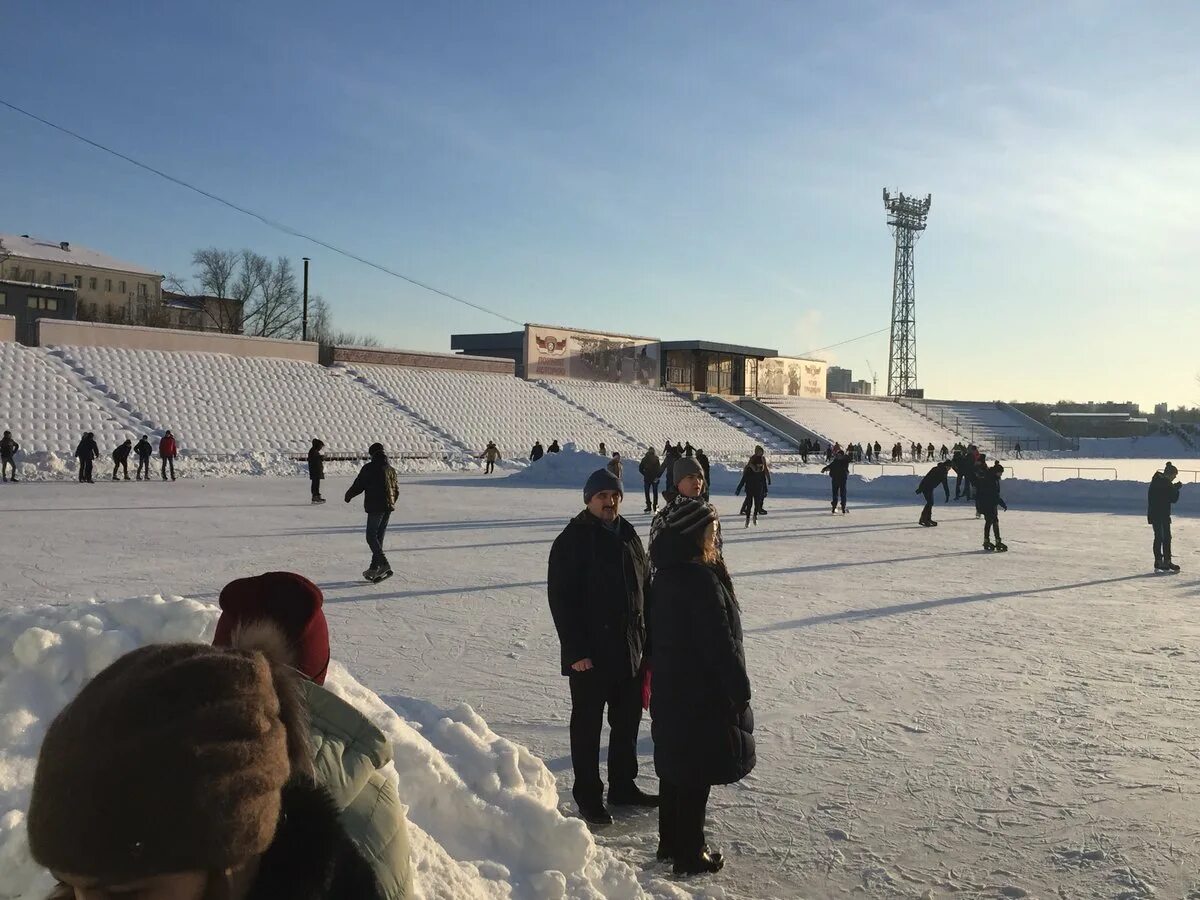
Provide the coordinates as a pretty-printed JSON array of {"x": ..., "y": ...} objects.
[
  {"x": 167, "y": 447},
  {"x": 668, "y": 468},
  {"x": 316, "y": 464},
  {"x": 143, "y": 449},
  {"x": 702, "y": 722},
  {"x": 1159, "y": 498},
  {"x": 704, "y": 464},
  {"x": 88, "y": 449},
  {"x": 987, "y": 494},
  {"x": 597, "y": 584},
  {"x": 651, "y": 467},
  {"x": 838, "y": 469},
  {"x": 377, "y": 483},
  {"x": 121, "y": 454},
  {"x": 8, "y": 447},
  {"x": 935, "y": 476},
  {"x": 537, "y": 452},
  {"x": 754, "y": 482}
]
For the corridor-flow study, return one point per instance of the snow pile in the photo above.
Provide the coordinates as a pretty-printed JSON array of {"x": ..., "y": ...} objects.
[
  {"x": 570, "y": 468},
  {"x": 1167, "y": 446},
  {"x": 483, "y": 813}
]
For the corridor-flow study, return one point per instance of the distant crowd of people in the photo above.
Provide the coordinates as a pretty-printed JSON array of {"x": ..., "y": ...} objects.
[
  {"x": 873, "y": 452},
  {"x": 87, "y": 451}
]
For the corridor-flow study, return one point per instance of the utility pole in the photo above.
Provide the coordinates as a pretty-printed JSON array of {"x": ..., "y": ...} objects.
[
  {"x": 304, "y": 319},
  {"x": 906, "y": 218}
]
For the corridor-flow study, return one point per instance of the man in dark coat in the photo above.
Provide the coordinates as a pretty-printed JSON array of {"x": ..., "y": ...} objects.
[
  {"x": 651, "y": 469},
  {"x": 87, "y": 453},
  {"x": 316, "y": 469},
  {"x": 959, "y": 463},
  {"x": 377, "y": 483},
  {"x": 553, "y": 448},
  {"x": 988, "y": 501},
  {"x": 670, "y": 458},
  {"x": 537, "y": 452},
  {"x": 8, "y": 452},
  {"x": 121, "y": 458},
  {"x": 839, "y": 474},
  {"x": 939, "y": 474},
  {"x": 1163, "y": 492},
  {"x": 597, "y": 583},
  {"x": 144, "y": 451},
  {"x": 754, "y": 480},
  {"x": 702, "y": 722},
  {"x": 706, "y": 466}
]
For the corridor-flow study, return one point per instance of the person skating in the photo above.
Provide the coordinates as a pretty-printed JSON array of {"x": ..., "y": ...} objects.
[
  {"x": 839, "y": 474},
  {"x": 988, "y": 501},
  {"x": 490, "y": 454},
  {"x": 553, "y": 448},
  {"x": 939, "y": 474},
  {"x": 87, "y": 453},
  {"x": 701, "y": 720},
  {"x": 929, "y": 452},
  {"x": 651, "y": 469},
  {"x": 167, "y": 449},
  {"x": 1162, "y": 494},
  {"x": 977, "y": 474},
  {"x": 670, "y": 458},
  {"x": 184, "y": 771},
  {"x": 120, "y": 458},
  {"x": 1017, "y": 449},
  {"x": 945, "y": 452},
  {"x": 754, "y": 480},
  {"x": 8, "y": 453},
  {"x": 878, "y": 450},
  {"x": 597, "y": 583},
  {"x": 377, "y": 483},
  {"x": 615, "y": 466},
  {"x": 537, "y": 452},
  {"x": 280, "y": 614},
  {"x": 144, "y": 451},
  {"x": 706, "y": 466},
  {"x": 316, "y": 469}
]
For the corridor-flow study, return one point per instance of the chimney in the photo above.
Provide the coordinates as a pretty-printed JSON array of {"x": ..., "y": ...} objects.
[{"x": 65, "y": 245}]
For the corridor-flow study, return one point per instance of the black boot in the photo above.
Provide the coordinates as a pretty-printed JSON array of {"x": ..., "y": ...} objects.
[
  {"x": 595, "y": 813},
  {"x": 704, "y": 864},
  {"x": 631, "y": 795}
]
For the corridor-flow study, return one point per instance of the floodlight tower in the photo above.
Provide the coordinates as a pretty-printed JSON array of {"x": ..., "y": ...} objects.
[{"x": 906, "y": 219}]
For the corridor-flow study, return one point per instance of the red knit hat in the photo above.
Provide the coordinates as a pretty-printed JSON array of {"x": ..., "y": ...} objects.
[{"x": 288, "y": 600}]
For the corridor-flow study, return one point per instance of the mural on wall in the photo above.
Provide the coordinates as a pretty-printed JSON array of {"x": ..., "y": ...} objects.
[
  {"x": 787, "y": 376},
  {"x": 552, "y": 352}
]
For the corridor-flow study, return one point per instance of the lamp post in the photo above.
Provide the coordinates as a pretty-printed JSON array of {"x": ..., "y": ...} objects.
[{"x": 304, "y": 318}]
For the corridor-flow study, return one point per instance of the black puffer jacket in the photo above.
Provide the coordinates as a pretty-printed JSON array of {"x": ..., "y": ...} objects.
[
  {"x": 987, "y": 493},
  {"x": 1159, "y": 498},
  {"x": 377, "y": 483},
  {"x": 121, "y": 454},
  {"x": 316, "y": 464},
  {"x": 143, "y": 449},
  {"x": 939, "y": 474},
  {"x": 597, "y": 584},
  {"x": 755, "y": 482},
  {"x": 700, "y": 703},
  {"x": 839, "y": 468}
]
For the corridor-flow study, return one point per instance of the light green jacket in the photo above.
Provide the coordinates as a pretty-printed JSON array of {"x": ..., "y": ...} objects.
[{"x": 348, "y": 752}]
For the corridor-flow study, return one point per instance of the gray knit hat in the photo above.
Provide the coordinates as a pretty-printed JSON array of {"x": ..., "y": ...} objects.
[{"x": 685, "y": 467}]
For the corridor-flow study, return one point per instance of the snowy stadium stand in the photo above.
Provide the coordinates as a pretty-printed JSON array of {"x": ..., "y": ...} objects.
[
  {"x": 654, "y": 416},
  {"x": 988, "y": 424},
  {"x": 217, "y": 404},
  {"x": 46, "y": 411},
  {"x": 833, "y": 422},
  {"x": 472, "y": 408},
  {"x": 898, "y": 419}
]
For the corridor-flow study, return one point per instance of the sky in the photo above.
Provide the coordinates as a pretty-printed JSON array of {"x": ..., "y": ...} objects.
[{"x": 687, "y": 170}]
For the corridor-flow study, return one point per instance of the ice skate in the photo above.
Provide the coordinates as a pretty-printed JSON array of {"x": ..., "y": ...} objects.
[
  {"x": 318, "y": 499},
  {"x": 1169, "y": 566},
  {"x": 1001, "y": 547},
  {"x": 989, "y": 546},
  {"x": 844, "y": 511},
  {"x": 371, "y": 573},
  {"x": 704, "y": 864},
  {"x": 383, "y": 576},
  {"x": 931, "y": 523}
]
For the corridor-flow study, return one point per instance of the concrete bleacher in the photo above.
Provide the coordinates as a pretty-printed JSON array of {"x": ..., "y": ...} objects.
[
  {"x": 654, "y": 416},
  {"x": 217, "y": 404},
  {"x": 47, "y": 411},
  {"x": 473, "y": 408},
  {"x": 899, "y": 419},
  {"x": 992, "y": 425},
  {"x": 832, "y": 422}
]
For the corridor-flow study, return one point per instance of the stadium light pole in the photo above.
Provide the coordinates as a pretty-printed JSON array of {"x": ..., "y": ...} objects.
[
  {"x": 304, "y": 315},
  {"x": 906, "y": 219}
]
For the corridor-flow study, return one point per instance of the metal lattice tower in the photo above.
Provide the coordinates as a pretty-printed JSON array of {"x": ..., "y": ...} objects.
[{"x": 906, "y": 219}]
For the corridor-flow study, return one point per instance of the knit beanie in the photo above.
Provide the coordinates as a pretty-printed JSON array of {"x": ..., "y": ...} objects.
[
  {"x": 291, "y": 602},
  {"x": 675, "y": 532},
  {"x": 173, "y": 759},
  {"x": 376, "y": 451},
  {"x": 1169, "y": 470},
  {"x": 601, "y": 480},
  {"x": 685, "y": 467}
]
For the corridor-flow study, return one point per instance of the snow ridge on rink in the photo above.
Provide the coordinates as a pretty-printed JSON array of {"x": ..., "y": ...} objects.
[{"x": 483, "y": 810}]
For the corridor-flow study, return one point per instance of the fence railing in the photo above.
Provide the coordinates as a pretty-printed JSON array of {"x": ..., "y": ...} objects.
[
  {"x": 883, "y": 467},
  {"x": 1078, "y": 470}
]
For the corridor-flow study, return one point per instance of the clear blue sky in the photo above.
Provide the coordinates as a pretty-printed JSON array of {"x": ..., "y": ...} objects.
[{"x": 681, "y": 169}]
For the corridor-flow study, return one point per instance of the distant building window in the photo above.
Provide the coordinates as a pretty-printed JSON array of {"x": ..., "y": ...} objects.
[
  {"x": 122, "y": 284},
  {"x": 3, "y": 300},
  {"x": 108, "y": 285},
  {"x": 63, "y": 279},
  {"x": 142, "y": 290},
  {"x": 91, "y": 284},
  {"x": 50, "y": 303},
  {"x": 78, "y": 281},
  {"x": 45, "y": 278},
  {"x": 15, "y": 272}
]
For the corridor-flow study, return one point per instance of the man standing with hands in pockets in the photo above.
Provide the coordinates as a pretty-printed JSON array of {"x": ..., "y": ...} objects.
[{"x": 597, "y": 584}]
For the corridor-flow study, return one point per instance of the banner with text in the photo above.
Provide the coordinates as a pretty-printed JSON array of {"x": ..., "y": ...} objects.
[
  {"x": 786, "y": 376},
  {"x": 553, "y": 352}
]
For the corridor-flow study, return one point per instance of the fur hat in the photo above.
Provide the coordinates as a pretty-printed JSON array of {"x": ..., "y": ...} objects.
[
  {"x": 685, "y": 467},
  {"x": 601, "y": 480},
  {"x": 291, "y": 602},
  {"x": 172, "y": 759}
]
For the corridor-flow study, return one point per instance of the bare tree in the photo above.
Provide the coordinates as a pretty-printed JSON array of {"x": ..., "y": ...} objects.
[
  {"x": 274, "y": 309},
  {"x": 321, "y": 327}
]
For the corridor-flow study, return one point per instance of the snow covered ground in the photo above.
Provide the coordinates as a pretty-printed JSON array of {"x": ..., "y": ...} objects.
[{"x": 933, "y": 721}]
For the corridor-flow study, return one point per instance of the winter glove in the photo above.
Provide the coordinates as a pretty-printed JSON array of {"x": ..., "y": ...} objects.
[
  {"x": 1004, "y": 506},
  {"x": 737, "y": 492}
]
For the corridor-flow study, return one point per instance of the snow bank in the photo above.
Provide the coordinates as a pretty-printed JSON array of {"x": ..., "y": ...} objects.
[
  {"x": 571, "y": 469},
  {"x": 483, "y": 811},
  {"x": 1167, "y": 446}
]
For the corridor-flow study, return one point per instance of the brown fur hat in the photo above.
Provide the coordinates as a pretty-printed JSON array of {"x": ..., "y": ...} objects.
[{"x": 172, "y": 759}]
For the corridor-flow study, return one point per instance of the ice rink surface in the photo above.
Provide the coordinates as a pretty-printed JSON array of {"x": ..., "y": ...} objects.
[{"x": 933, "y": 721}]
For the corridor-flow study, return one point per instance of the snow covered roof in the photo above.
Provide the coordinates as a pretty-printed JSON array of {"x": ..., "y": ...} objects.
[
  {"x": 40, "y": 287},
  {"x": 65, "y": 252}
]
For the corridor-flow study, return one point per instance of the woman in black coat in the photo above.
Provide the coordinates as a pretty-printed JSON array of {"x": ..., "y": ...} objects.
[{"x": 700, "y": 704}]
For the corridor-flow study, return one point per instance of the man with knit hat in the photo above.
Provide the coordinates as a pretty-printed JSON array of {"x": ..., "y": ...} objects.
[
  {"x": 377, "y": 483},
  {"x": 597, "y": 582},
  {"x": 184, "y": 771},
  {"x": 281, "y": 612},
  {"x": 1162, "y": 494}
]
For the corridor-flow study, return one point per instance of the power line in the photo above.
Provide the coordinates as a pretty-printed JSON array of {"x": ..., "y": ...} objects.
[
  {"x": 270, "y": 223},
  {"x": 842, "y": 343}
]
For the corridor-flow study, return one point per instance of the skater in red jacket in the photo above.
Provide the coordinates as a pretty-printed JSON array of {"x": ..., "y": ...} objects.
[{"x": 167, "y": 450}]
